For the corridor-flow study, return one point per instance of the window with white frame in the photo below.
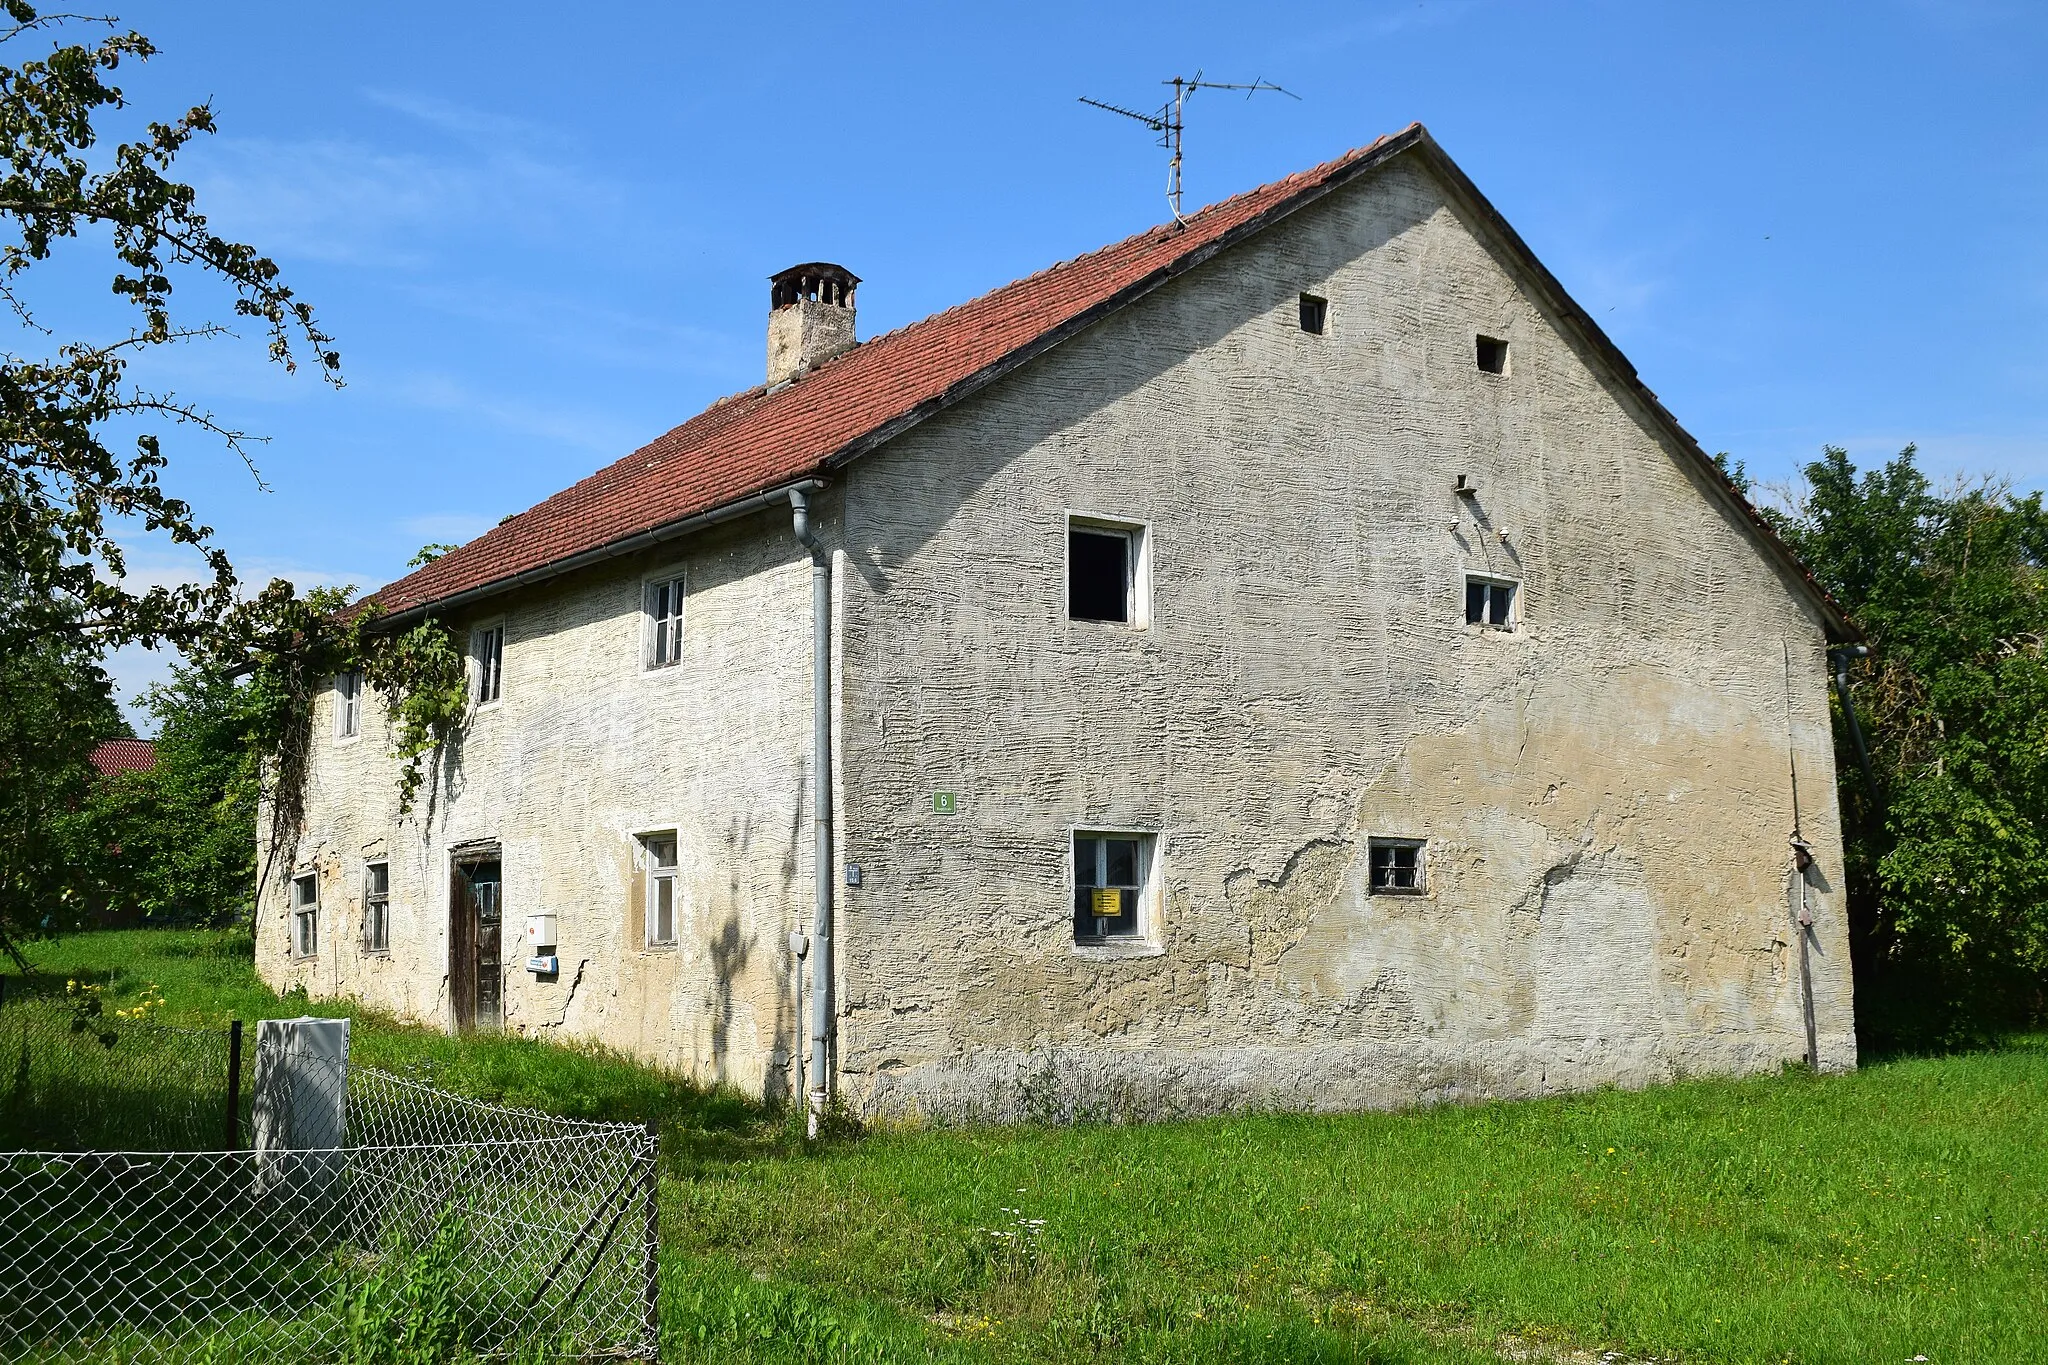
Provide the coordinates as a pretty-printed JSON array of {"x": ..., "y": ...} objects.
[
  {"x": 377, "y": 907},
  {"x": 1490, "y": 602},
  {"x": 306, "y": 914},
  {"x": 1106, "y": 571},
  {"x": 1110, "y": 872},
  {"x": 348, "y": 705},
  {"x": 1397, "y": 867},
  {"x": 660, "y": 853},
  {"x": 487, "y": 647},
  {"x": 665, "y": 622}
]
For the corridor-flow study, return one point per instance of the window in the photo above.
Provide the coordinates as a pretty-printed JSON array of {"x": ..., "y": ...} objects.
[
  {"x": 488, "y": 647},
  {"x": 305, "y": 914},
  {"x": 1109, "y": 885},
  {"x": 1490, "y": 602},
  {"x": 377, "y": 908},
  {"x": 348, "y": 705},
  {"x": 1397, "y": 867},
  {"x": 1105, "y": 571},
  {"x": 664, "y": 623},
  {"x": 1314, "y": 313},
  {"x": 1493, "y": 355},
  {"x": 660, "y": 850}
]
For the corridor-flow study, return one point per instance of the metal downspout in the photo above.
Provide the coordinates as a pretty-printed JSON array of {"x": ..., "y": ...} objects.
[
  {"x": 1841, "y": 659},
  {"x": 820, "y": 950}
]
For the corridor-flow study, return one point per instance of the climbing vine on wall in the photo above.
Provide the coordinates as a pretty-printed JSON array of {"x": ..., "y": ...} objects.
[
  {"x": 292, "y": 645},
  {"x": 425, "y": 683}
]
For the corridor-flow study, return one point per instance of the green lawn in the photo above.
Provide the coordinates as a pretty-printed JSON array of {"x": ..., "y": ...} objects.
[{"x": 1896, "y": 1213}]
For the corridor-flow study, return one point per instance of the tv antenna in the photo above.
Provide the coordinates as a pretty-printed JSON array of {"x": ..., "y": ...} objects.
[{"x": 1168, "y": 123}]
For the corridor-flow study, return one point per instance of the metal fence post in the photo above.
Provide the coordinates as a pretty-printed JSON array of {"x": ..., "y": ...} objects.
[
  {"x": 652, "y": 1255},
  {"x": 234, "y": 1124}
]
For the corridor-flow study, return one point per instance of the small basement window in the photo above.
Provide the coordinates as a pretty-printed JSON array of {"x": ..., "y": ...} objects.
[
  {"x": 1490, "y": 602},
  {"x": 1315, "y": 313},
  {"x": 660, "y": 850},
  {"x": 348, "y": 705},
  {"x": 1109, "y": 885},
  {"x": 377, "y": 907},
  {"x": 306, "y": 914},
  {"x": 1493, "y": 355},
  {"x": 1105, "y": 571},
  {"x": 487, "y": 647},
  {"x": 665, "y": 622},
  {"x": 1397, "y": 867}
]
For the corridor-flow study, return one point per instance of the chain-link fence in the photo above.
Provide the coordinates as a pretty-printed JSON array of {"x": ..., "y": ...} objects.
[
  {"x": 74, "y": 1079},
  {"x": 371, "y": 1217}
]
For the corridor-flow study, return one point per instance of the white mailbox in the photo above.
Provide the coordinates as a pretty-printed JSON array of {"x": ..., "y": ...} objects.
[{"x": 540, "y": 932}]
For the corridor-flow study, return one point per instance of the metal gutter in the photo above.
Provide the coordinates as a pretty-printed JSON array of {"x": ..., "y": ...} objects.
[{"x": 583, "y": 559}]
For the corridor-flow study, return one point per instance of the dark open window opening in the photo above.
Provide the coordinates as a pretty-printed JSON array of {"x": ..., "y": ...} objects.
[
  {"x": 1396, "y": 866},
  {"x": 1490, "y": 602},
  {"x": 1493, "y": 355},
  {"x": 1314, "y": 313},
  {"x": 1099, "y": 567},
  {"x": 1109, "y": 874}
]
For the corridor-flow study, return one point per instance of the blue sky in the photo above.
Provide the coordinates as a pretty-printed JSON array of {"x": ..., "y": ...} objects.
[{"x": 541, "y": 234}]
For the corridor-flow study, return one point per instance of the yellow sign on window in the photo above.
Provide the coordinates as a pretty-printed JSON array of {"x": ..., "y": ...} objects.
[{"x": 1107, "y": 901}]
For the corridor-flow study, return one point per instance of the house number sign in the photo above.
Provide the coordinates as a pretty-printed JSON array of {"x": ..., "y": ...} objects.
[{"x": 945, "y": 803}]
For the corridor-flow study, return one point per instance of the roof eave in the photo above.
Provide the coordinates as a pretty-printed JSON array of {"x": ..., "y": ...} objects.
[{"x": 597, "y": 554}]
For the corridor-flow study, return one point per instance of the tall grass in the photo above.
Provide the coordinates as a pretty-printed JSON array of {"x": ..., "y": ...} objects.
[{"x": 1898, "y": 1212}]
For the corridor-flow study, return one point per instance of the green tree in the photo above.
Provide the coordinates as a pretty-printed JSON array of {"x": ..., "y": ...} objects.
[
  {"x": 67, "y": 496},
  {"x": 1948, "y": 855},
  {"x": 178, "y": 840},
  {"x": 55, "y": 705}
]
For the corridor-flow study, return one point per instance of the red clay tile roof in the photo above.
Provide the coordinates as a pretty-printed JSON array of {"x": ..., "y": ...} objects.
[
  {"x": 112, "y": 756},
  {"x": 759, "y": 440}
]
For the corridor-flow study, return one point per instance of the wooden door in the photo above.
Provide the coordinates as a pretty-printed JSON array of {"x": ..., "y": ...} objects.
[
  {"x": 484, "y": 887},
  {"x": 476, "y": 918}
]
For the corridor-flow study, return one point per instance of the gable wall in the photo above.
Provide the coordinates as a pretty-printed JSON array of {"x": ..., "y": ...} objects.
[
  {"x": 586, "y": 751},
  {"x": 1606, "y": 793}
]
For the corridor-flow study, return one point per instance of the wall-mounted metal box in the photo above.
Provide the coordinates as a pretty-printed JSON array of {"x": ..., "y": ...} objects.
[{"x": 540, "y": 931}]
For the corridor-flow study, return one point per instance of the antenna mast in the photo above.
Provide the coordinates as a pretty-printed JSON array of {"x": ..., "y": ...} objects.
[{"x": 1168, "y": 121}]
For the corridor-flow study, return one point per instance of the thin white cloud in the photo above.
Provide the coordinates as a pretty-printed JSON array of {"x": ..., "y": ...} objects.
[
  {"x": 447, "y": 528},
  {"x": 459, "y": 120},
  {"x": 607, "y": 336},
  {"x": 346, "y": 201},
  {"x": 597, "y": 432}
]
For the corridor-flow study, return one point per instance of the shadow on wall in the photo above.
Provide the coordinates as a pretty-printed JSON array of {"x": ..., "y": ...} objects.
[{"x": 729, "y": 955}]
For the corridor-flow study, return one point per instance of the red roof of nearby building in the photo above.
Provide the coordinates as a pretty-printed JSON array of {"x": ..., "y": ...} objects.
[
  {"x": 112, "y": 756},
  {"x": 763, "y": 439}
]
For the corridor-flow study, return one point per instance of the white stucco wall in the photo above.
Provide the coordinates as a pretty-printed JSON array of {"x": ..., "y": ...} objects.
[
  {"x": 1606, "y": 792},
  {"x": 586, "y": 751}
]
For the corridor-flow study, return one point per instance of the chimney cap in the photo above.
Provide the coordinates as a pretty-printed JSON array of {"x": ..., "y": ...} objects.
[{"x": 814, "y": 280}]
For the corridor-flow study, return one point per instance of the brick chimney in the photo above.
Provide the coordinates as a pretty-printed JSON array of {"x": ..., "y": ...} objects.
[{"x": 810, "y": 319}]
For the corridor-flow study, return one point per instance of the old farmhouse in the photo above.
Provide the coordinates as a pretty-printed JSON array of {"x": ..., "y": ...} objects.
[{"x": 1285, "y": 658}]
